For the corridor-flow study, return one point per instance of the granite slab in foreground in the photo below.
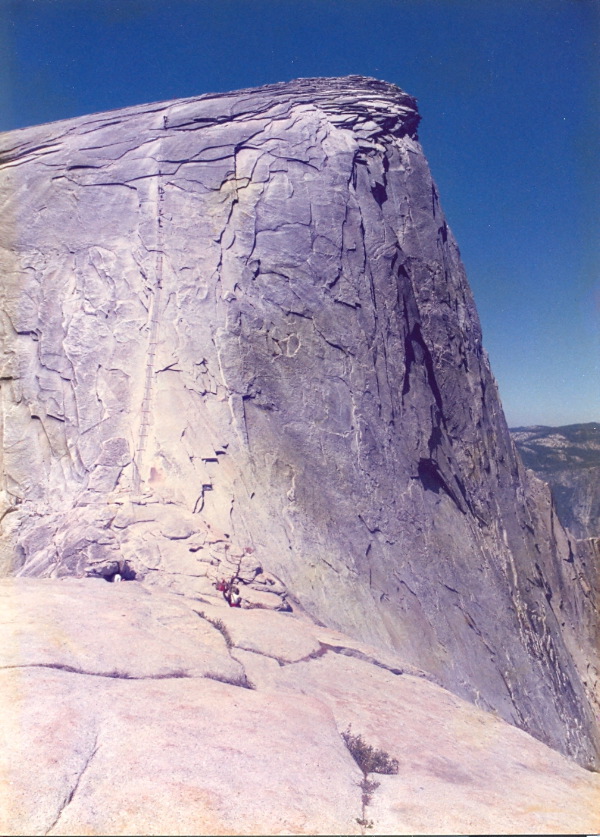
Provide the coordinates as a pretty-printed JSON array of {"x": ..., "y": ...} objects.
[{"x": 106, "y": 732}]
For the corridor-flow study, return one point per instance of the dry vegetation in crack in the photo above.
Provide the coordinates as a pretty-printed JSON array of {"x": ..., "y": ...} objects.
[
  {"x": 241, "y": 680},
  {"x": 219, "y": 625}
]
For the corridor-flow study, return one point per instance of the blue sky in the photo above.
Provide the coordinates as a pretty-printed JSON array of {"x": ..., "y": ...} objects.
[{"x": 509, "y": 93}]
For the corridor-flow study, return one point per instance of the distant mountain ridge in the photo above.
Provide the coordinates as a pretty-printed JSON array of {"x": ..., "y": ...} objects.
[{"x": 568, "y": 459}]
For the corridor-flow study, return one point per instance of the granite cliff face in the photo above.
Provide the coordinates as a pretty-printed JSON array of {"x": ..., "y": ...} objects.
[{"x": 238, "y": 334}]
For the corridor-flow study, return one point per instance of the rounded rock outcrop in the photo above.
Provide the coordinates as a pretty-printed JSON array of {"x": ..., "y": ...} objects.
[{"x": 247, "y": 310}]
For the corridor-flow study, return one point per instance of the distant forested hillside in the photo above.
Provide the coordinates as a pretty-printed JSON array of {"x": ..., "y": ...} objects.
[{"x": 568, "y": 459}]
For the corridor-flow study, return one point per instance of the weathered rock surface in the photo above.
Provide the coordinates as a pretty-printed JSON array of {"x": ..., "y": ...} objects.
[
  {"x": 238, "y": 339},
  {"x": 105, "y": 732},
  {"x": 568, "y": 459}
]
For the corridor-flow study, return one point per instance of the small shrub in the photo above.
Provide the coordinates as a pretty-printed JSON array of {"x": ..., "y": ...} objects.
[{"x": 368, "y": 758}]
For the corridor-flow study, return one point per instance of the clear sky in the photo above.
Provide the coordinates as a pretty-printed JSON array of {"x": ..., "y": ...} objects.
[{"x": 509, "y": 92}]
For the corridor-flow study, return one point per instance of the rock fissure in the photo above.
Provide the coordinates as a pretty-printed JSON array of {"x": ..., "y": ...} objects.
[
  {"x": 346, "y": 651},
  {"x": 69, "y": 798},
  {"x": 115, "y": 675}
]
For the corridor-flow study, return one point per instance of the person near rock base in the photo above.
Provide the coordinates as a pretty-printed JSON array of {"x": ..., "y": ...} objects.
[{"x": 230, "y": 593}]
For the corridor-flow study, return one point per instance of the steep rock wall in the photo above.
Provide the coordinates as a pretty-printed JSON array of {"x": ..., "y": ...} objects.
[{"x": 250, "y": 307}]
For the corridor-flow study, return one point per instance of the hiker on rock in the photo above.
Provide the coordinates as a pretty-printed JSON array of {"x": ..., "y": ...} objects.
[{"x": 235, "y": 600}]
